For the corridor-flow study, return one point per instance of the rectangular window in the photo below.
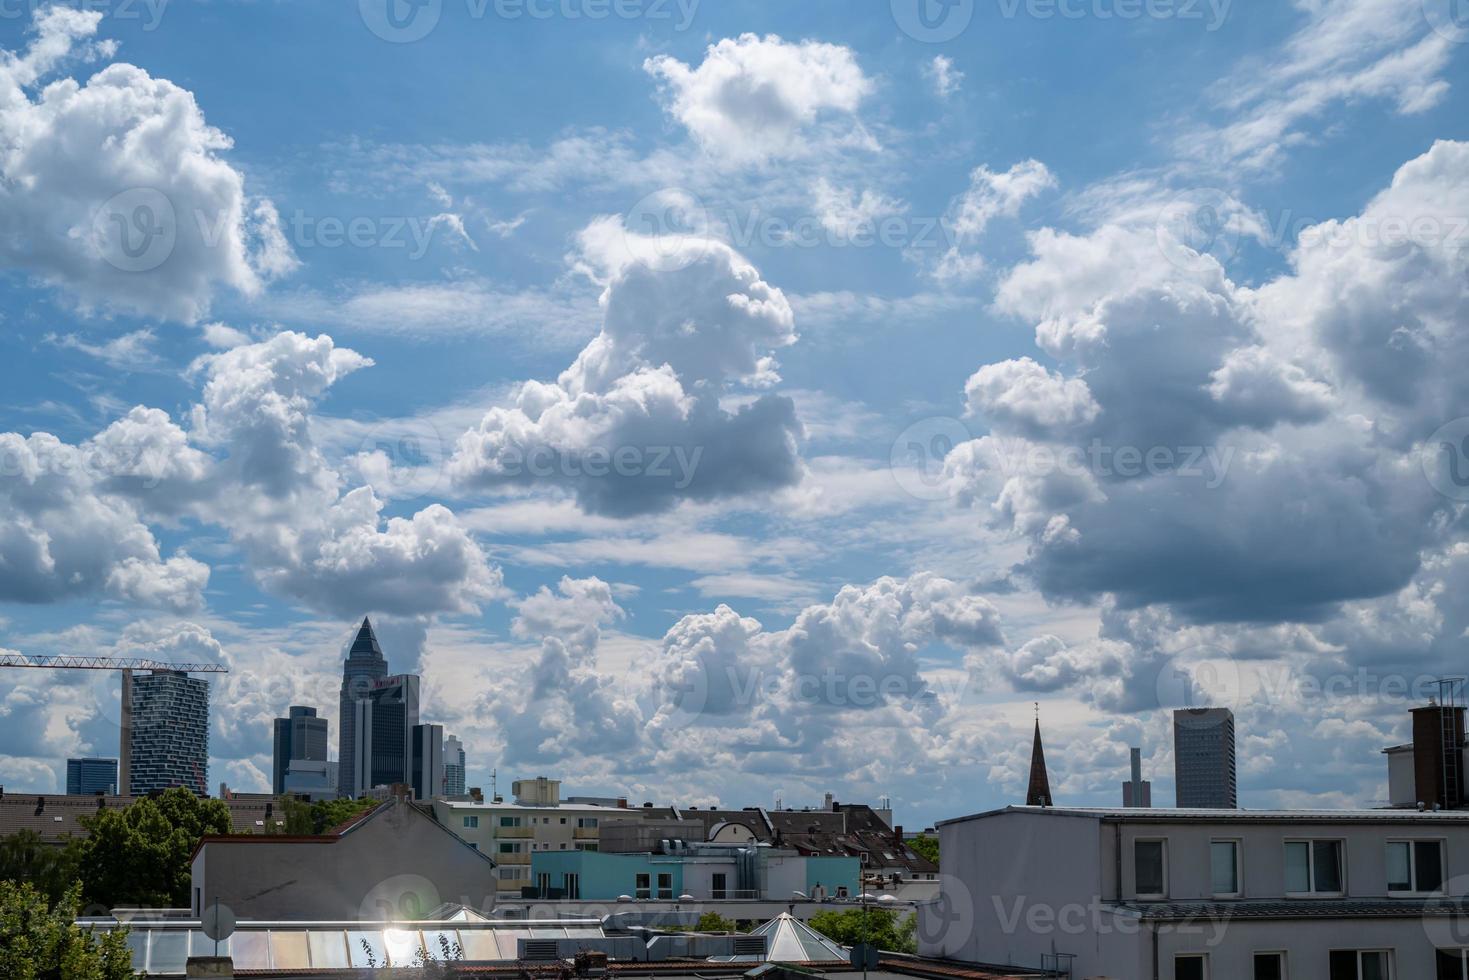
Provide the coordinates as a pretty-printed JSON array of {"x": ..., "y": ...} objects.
[
  {"x": 665, "y": 884},
  {"x": 509, "y": 848},
  {"x": 509, "y": 874},
  {"x": 1414, "y": 866},
  {"x": 1313, "y": 867},
  {"x": 1453, "y": 964},
  {"x": 1224, "y": 867},
  {"x": 571, "y": 886},
  {"x": 471, "y": 822},
  {"x": 1269, "y": 966},
  {"x": 717, "y": 886},
  {"x": 586, "y": 822},
  {"x": 644, "y": 887},
  {"x": 509, "y": 821},
  {"x": 1361, "y": 964},
  {"x": 1191, "y": 968},
  {"x": 1150, "y": 864}
]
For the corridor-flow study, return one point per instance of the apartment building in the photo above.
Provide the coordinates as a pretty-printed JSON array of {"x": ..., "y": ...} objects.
[
  {"x": 536, "y": 821},
  {"x": 1206, "y": 895},
  {"x": 703, "y": 872}
]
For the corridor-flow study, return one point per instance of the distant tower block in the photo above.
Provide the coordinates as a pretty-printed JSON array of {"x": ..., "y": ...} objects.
[{"x": 1137, "y": 792}]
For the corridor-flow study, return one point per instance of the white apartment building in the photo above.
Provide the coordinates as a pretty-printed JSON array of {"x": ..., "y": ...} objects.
[
  {"x": 1206, "y": 894},
  {"x": 536, "y": 821}
]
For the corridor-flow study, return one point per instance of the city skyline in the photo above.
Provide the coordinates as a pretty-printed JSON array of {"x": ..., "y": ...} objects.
[{"x": 744, "y": 387}]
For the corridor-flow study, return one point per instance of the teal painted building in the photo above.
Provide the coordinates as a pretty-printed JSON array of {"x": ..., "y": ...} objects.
[{"x": 707, "y": 874}]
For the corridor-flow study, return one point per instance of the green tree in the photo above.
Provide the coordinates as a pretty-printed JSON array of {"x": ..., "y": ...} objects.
[
  {"x": 51, "y": 868},
  {"x": 40, "y": 940},
  {"x": 139, "y": 855},
  {"x": 326, "y": 814},
  {"x": 883, "y": 928},
  {"x": 714, "y": 922},
  {"x": 926, "y": 846}
]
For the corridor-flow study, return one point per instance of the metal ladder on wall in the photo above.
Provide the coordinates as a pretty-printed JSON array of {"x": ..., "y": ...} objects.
[{"x": 1452, "y": 788}]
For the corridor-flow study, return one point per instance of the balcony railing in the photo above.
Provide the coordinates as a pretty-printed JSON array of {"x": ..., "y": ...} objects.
[
  {"x": 515, "y": 833},
  {"x": 586, "y": 833}
]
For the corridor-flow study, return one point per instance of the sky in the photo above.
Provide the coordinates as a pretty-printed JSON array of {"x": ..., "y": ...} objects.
[{"x": 737, "y": 402}]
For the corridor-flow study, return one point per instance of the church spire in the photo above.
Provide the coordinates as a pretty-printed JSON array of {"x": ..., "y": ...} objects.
[{"x": 1039, "y": 793}]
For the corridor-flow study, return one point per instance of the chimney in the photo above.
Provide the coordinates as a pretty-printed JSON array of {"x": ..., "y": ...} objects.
[
  {"x": 622, "y": 803},
  {"x": 898, "y": 833},
  {"x": 1438, "y": 755}
]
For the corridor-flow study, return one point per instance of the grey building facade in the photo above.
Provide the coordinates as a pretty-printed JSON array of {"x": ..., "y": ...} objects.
[
  {"x": 426, "y": 766},
  {"x": 1203, "y": 759},
  {"x": 383, "y": 723},
  {"x": 87, "y": 777},
  {"x": 299, "y": 736},
  {"x": 454, "y": 767},
  {"x": 168, "y": 740},
  {"x": 364, "y": 666}
]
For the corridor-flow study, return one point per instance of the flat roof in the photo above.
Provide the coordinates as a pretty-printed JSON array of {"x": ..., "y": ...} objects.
[
  {"x": 563, "y": 807},
  {"x": 1169, "y": 815}
]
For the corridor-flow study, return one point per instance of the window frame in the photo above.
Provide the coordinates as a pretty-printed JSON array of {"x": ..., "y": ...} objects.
[
  {"x": 1341, "y": 860},
  {"x": 1389, "y": 959},
  {"x": 1412, "y": 844},
  {"x": 1239, "y": 867},
  {"x": 1191, "y": 955},
  {"x": 665, "y": 894},
  {"x": 1141, "y": 895},
  {"x": 1282, "y": 956},
  {"x": 643, "y": 885}
]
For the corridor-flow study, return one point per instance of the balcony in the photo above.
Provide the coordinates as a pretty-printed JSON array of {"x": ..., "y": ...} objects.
[
  {"x": 508, "y": 859},
  {"x": 587, "y": 833},
  {"x": 515, "y": 833}
]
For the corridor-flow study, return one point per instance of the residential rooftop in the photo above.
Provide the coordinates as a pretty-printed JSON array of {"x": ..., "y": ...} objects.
[{"x": 1174, "y": 815}]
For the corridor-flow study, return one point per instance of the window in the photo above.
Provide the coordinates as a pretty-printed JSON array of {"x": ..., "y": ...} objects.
[
  {"x": 1269, "y": 966},
  {"x": 1453, "y": 964},
  {"x": 586, "y": 822},
  {"x": 718, "y": 886},
  {"x": 563, "y": 819},
  {"x": 509, "y": 848},
  {"x": 471, "y": 822},
  {"x": 1313, "y": 867},
  {"x": 1150, "y": 864},
  {"x": 509, "y": 874},
  {"x": 563, "y": 846},
  {"x": 1192, "y": 967},
  {"x": 644, "y": 887},
  {"x": 665, "y": 884},
  {"x": 509, "y": 821},
  {"x": 1361, "y": 964},
  {"x": 571, "y": 885},
  {"x": 1414, "y": 866},
  {"x": 1224, "y": 868}
]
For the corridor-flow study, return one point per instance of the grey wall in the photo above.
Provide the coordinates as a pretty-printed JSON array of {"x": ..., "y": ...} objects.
[{"x": 396, "y": 862}]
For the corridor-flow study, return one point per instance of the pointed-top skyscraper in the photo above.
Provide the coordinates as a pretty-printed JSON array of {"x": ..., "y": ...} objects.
[
  {"x": 364, "y": 665},
  {"x": 1039, "y": 793}
]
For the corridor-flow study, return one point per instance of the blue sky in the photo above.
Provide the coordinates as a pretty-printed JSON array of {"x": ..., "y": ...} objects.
[{"x": 1101, "y": 354}]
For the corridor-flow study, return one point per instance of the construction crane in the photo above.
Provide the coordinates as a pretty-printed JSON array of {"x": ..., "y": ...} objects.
[{"x": 127, "y": 666}]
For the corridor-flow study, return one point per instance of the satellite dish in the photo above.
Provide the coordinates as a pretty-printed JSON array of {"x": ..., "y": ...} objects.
[{"x": 217, "y": 922}]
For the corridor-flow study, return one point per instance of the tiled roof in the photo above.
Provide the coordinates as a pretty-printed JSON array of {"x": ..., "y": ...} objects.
[
  {"x": 54, "y": 816},
  {"x": 1346, "y": 908}
]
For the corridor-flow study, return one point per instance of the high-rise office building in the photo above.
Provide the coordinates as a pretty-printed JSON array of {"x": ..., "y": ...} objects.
[
  {"x": 86, "y": 777},
  {"x": 299, "y": 737},
  {"x": 1203, "y": 758},
  {"x": 364, "y": 666},
  {"x": 454, "y": 767},
  {"x": 383, "y": 720},
  {"x": 168, "y": 737},
  {"x": 426, "y": 765},
  {"x": 1137, "y": 792}
]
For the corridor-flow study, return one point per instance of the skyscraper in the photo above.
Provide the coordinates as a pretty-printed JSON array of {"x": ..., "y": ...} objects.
[
  {"x": 1203, "y": 758},
  {"x": 426, "y": 767},
  {"x": 383, "y": 720},
  {"x": 1137, "y": 792},
  {"x": 364, "y": 666},
  {"x": 299, "y": 737},
  {"x": 454, "y": 766},
  {"x": 84, "y": 777},
  {"x": 168, "y": 742}
]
